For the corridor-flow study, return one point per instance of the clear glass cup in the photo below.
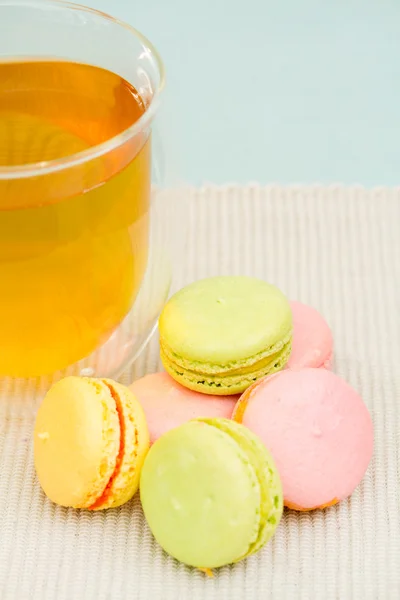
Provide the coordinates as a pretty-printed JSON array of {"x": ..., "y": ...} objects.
[{"x": 84, "y": 270}]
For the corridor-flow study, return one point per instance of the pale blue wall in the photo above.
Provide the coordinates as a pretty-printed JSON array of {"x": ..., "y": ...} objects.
[{"x": 279, "y": 90}]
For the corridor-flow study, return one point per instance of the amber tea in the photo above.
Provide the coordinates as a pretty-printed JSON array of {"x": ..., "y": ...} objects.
[{"x": 73, "y": 241}]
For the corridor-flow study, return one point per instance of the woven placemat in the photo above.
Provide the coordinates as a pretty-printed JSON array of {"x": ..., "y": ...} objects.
[{"x": 335, "y": 248}]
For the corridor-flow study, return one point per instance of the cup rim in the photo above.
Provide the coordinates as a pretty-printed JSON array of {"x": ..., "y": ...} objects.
[{"x": 66, "y": 162}]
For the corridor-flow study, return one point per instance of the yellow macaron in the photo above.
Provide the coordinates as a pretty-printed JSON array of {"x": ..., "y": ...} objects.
[{"x": 90, "y": 442}]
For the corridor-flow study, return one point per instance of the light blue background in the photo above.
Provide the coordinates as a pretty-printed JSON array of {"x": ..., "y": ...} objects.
[{"x": 279, "y": 90}]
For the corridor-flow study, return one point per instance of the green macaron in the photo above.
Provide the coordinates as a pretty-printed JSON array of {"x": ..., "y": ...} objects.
[
  {"x": 211, "y": 493},
  {"x": 219, "y": 335}
]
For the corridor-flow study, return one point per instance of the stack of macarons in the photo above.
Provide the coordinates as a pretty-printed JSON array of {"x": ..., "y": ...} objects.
[{"x": 248, "y": 417}]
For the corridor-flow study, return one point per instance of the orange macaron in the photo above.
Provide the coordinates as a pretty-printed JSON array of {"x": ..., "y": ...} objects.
[{"x": 90, "y": 442}]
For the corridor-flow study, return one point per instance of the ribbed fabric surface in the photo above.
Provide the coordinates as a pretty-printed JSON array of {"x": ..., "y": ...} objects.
[{"x": 335, "y": 248}]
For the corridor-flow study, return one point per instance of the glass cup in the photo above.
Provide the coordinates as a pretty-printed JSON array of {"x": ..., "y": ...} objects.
[{"x": 83, "y": 267}]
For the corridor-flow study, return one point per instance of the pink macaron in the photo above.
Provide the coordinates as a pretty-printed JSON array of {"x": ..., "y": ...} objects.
[
  {"x": 318, "y": 430},
  {"x": 312, "y": 344},
  {"x": 167, "y": 404}
]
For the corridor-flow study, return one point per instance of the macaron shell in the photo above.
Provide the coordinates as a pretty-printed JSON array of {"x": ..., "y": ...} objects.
[
  {"x": 77, "y": 425},
  {"x": 312, "y": 344},
  {"x": 167, "y": 404},
  {"x": 196, "y": 323},
  {"x": 134, "y": 446},
  {"x": 318, "y": 430},
  {"x": 201, "y": 496}
]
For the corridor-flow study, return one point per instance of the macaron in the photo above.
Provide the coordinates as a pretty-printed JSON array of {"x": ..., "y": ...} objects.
[
  {"x": 219, "y": 335},
  {"x": 318, "y": 430},
  {"x": 211, "y": 493},
  {"x": 167, "y": 404},
  {"x": 312, "y": 344},
  {"x": 90, "y": 441}
]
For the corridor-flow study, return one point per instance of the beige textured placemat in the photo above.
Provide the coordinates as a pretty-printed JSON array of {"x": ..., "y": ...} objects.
[{"x": 336, "y": 248}]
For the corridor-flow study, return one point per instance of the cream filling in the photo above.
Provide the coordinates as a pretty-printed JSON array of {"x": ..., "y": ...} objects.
[
  {"x": 231, "y": 367},
  {"x": 236, "y": 378}
]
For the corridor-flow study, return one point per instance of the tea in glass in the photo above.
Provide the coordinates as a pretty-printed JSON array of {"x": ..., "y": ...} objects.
[{"x": 73, "y": 241}]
